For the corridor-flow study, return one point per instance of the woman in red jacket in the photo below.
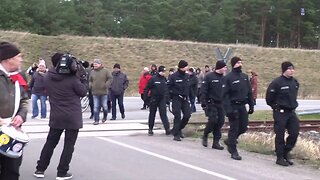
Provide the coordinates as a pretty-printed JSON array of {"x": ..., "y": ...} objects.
[{"x": 144, "y": 78}]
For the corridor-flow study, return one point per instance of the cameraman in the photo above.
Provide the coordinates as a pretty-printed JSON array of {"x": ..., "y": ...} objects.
[{"x": 64, "y": 87}]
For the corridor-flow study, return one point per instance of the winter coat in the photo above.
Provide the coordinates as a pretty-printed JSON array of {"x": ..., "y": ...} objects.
[
  {"x": 37, "y": 84},
  {"x": 144, "y": 79},
  {"x": 99, "y": 81},
  {"x": 7, "y": 98},
  {"x": 64, "y": 93},
  {"x": 119, "y": 83}
]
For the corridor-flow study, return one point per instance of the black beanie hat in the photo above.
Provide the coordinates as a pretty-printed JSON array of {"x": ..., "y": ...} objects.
[
  {"x": 285, "y": 65},
  {"x": 116, "y": 65},
  {"x": 8, "y": 50},
  {"x": 220, "y": 65},
  {"x": 56, "y": 58},
  {"x": 182, "y": 64},
  {"x": 161, "y": 69},
  {"x": 234, "y": 61}
]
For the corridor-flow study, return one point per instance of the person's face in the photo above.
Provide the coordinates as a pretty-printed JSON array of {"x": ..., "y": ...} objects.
[
  {"x": 289, "y": 72},
  {"x": 222, "y": 70},
  {"x": 96, "y": 65},
  {"x": 184, "y": 69},
  {"x": 238, "y": 64},
  {"x": 14, "y": 63},
  {"x": 116, "y": 69},
  {"x": 162, "y": 73},
  {"x": 42, "y": 68}
]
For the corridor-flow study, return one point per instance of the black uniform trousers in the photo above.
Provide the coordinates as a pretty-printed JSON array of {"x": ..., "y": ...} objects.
[
  {"x": 238, "y": 121},
  {"x": 215, "y": 122},
  {"x": 161, "y": 104},
  {"x": 66, "y": 155},
  {"x": 285, "y": 120},
  {"x": 9, "y": 167},
  {"x": 180, "y": 105}
]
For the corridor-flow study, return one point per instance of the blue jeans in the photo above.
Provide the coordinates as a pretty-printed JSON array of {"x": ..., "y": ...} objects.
[
  {"x": 98, "y": 102},
  {"x": 35, "y": 109}
]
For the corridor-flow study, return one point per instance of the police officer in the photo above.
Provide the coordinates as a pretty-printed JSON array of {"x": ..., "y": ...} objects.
[
  {"x": 157, "y": 86},
  {"x": 282, "y": 97},
  {"x": 237, "y": 93},
  {"x": 179, "y": 89},
  {"x": 211, "y": 101}
]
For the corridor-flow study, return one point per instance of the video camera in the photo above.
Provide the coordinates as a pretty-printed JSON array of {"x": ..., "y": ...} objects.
[{"x": 68, "y": 64}]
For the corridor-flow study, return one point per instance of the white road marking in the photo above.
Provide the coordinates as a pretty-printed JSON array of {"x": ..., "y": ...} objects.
[{"x": 168, "y": 159}]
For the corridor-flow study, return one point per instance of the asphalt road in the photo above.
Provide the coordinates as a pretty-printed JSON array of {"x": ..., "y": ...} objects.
[{"x": 121, "y": 150}]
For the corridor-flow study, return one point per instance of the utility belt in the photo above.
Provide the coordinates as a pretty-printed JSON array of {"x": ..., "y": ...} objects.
[
  {"x": 212, "y": 101},
  {"x": 239, "y": 102},
  {"x": 185, "y": 98},
  {"x": 282, "y": 110}
]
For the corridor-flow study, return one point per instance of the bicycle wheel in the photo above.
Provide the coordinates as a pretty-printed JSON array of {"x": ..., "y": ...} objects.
[{"x": 84, "y": 103}]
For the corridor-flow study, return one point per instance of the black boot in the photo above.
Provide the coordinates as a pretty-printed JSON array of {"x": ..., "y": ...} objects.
[
  {"x": 287, "y": 157},
  {"x": 150, "y": 132},
  {"x": 228, "y": 147},
  {"x": 216, "y": 145},
  {"x": 177, "y": 138},
  {"x": 235, "y": 155},
  {"x": 204, "y": 140},
  {"x": 168, "y": 132},
  {"x": 282, "y": 162}
]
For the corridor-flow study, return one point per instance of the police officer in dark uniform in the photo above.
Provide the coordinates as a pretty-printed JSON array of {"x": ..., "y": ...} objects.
[
  {"x": 211, "y": 102},
  {"x": 179, "y": 89},
  {"x": 282, "y": 97},
  {"x": 157, "y": 86},
  {"x": 237, "y": 93}
]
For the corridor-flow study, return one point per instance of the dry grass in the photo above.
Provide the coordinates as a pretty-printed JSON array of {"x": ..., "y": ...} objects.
[
  {"x": 134, "y": 54},
  {"x": 305, "y": 149}
]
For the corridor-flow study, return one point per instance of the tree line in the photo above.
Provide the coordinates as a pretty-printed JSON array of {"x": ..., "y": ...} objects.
[{"x": 268, "y": 23}]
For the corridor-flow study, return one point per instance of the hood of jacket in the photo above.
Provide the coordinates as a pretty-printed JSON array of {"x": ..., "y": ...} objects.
[{"x": 52, "y": 74}]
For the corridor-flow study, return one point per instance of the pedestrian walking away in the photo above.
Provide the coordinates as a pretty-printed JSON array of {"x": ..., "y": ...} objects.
[
  {"x": 254, "y": 85},
  {"x": 65, "y": 85},
  {"x": 158, "y": 99},
  {"x": 211, "y": 102},
  {"x": 179, "y": 89},
  {"x": 118, "y": 86},
  {"x": 10, "y": 61},
  {"x": 237, "y": 93},
  {"x": 282, "y": 98}
]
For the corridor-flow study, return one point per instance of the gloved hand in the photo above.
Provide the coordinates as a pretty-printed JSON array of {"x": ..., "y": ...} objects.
[{"x": 251, "y": 110}]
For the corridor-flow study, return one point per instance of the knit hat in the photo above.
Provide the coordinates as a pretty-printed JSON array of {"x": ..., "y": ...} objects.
[
  {"x": 161, "y": 69},
  {"x": 8, "y": 51},
  {"x": 116, "y": 65},
  {"x": 56, "y": 58},
  {"x": 182, "y": 64},
  {"x": 146, "y": 69},
  {"x": 42, "y": 64},
  {"x": 286, "y": 65},
  {"x": 97, "y": 61},
  {"x": 234, "y": 61},
  {"x": 220, "y": 65}
]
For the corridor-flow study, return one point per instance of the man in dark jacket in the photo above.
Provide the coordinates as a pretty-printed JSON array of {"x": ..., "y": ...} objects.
[
  {"x": 179, "y": 89},
  {"x": 211, "y": 102},
  {"x": 237, "y": 93},
  {"x": 119, "y": 84},
  {"x": 193, "y": 89},
  {"x": 64, "y": 91},
  {"x": 282, "y": 97},
  {"x": 10, "y": 60},
  {"x": 157, "y": 86}
]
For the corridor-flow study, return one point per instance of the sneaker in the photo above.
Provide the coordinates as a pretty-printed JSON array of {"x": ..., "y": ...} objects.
[
  {"x": 95, "y": 123},
  {"x": 123, "y": 116},
  {"x": 168, "y": 132},
  {"x": 104, "y": 120},
  {"x": 33, "y": 117},
  {"x": 39, "y": 174},
  {"x": 113, "y": 119},
  {"x": 64, "y": 177},
  {"x": 236, "y": 156}
]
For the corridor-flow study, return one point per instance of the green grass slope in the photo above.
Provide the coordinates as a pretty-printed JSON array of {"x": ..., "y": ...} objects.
[{"x": 134, "y": 54}]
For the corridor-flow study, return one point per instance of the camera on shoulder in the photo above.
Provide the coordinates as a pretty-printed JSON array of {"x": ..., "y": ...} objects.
[{"x": 67, "y": 64}]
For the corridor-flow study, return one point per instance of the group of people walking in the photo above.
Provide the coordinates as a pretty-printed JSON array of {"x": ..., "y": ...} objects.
[{"x": 221, "y": 94}]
